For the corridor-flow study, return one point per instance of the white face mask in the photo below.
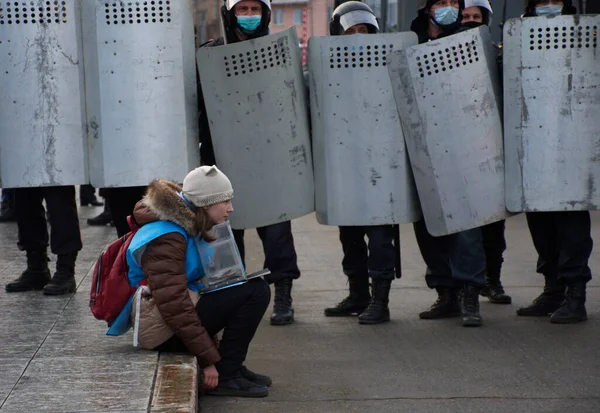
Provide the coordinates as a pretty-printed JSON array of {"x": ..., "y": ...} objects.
[{"x": 549, "y": 11}]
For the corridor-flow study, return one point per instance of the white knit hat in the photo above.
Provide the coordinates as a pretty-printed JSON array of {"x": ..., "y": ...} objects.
[{"x": 207, "y": 185}]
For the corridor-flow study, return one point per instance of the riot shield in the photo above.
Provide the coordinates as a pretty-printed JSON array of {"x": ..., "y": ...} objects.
[
  {"x": 362, "y": 173},
  {"x": 257, "y": 111},
  {"x": 448, "y": 96},
  {"x": 552, "y": 113},
  {"x": 141, "y": 91},
  {"x": 42, "y": 107}
]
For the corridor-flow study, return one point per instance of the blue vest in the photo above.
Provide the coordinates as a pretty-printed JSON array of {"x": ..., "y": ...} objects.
[{"x": 145, "y": 235}]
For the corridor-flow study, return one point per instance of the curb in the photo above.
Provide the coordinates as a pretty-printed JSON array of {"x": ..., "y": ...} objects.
[{"x": 176, "y": 385}]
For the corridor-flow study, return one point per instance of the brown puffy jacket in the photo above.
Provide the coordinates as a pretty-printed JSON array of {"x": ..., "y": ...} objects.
[{"x": 163, "y": 263}]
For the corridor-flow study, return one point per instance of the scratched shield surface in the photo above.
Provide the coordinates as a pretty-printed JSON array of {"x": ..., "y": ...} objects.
[
  {"x": 42, "y": 109},
  {"x": 258, "y": 116},
  {"x": 448, "y": 97},
  {"x": 552, "y": 113},
  {"x": 141, "y": 91},
  {"x": 362, "y": 173}
]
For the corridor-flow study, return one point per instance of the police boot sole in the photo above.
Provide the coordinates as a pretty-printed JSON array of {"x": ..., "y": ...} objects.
[
  {"x": 330, "y": 312},
  {"x": 439, "y": 316},
  {"x": 471, "y": 322},
  {"x": 22, "y": 289},
  {"x": 569, "y": 320},
  {"x": 377, "y": 321},
  {"x": 64, "y": 291},
  {"x": 526, "y": 312},
  {"x": 505, "y": 299}
]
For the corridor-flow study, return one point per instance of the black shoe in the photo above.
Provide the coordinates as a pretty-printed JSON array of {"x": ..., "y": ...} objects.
[
  {"x": 358, "y": 300},
  {"x": 572, "y": 309},
  {"x": 445, "y": 306},
  {"x": 28, "y": 281},
  {"x": 378, "y": 312},
  {"x": 283, "y": 313},
  {"x": 91, "y": 202},
  {"x": 35, "y": 277},
  {"x": 548, "y": 301},
  {"x": 105, "y": 218},
  {"x": 495, "y": 294},
  {"x": 255, "y": 377},
  {"x": 63, "y": 281},
  {"x": 469, "y": 306},
  {"x": 239, "y": 387}
]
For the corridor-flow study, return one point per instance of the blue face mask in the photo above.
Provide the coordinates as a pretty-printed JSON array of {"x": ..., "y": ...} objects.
[
  {"x": 549, "y": 11},
  {"x": 249, "y": 23},
  {"x": 446, "y": 15}
]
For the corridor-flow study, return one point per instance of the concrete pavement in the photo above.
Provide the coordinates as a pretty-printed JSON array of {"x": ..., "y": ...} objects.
[{"x": 54, "y": 356}]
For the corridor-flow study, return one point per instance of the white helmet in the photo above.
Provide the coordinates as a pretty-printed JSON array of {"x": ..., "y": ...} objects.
[{"x": 230, "y": 3}]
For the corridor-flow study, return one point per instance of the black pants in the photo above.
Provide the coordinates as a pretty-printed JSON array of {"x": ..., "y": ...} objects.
[
  {"x": 279, "y": 249},
  {"x": 120, "y": 202},
  {"x": 377, "y": 259},
  {"x": 563, "y": 242},
  {"x": 87, "y": 193},
  {"x": 237, "y": 312},
  {"x": 65, "y": 236},
  {"x": 494, "y": 244},
  {"x": 453, "y": 259}
]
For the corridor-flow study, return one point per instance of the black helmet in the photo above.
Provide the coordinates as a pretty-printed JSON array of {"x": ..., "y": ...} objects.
[
  {"x": 231, "y": 25},
  {"x": 568, "y": 8},
  {"x": 351, "y": 13}
]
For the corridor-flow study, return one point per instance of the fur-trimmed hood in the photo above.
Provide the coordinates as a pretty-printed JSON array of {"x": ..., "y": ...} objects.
[{"x": 161, "y": 203}]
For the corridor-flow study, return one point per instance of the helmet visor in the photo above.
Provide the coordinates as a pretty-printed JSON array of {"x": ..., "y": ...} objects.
[{"x": 358, "y": 17}]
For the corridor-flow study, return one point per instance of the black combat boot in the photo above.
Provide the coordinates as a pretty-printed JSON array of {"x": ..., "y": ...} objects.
[
  {"x": 469, "y": 306},
  {"x": 358, "y": 300},
  {"x": 35, "y": 277},
  {"x": 63, "y": 281},
  {"x": 283, "y": 313},
  {"x": 493, "y": 289},
  {"x": 572, "y": 309},
  {"x": 548, "y": 301},
  {"x": 378, "y": 312},
  {"x": 105, "y": 218},
  {"x": 446, "y": 305}
]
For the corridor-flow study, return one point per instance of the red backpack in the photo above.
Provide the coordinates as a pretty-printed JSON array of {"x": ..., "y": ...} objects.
[{"x": 110, "y": 283}]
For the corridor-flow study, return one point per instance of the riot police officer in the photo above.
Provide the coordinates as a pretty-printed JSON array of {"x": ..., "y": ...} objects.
[
  {"x": 378, "y": 259},
  {"x": 456, "y": 262},
  {"x": 562, "y": 239},
  {"x": 65, "y": 238},
  {"x": 245, "y": 20},
  {"x": 475, "y": 14}
]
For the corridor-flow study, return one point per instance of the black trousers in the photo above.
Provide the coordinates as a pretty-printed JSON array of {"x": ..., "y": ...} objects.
[
  {"x": 494, "y": 244},
  {"x": 87, "y": 193},
  {"x": 279, "y": 249},
  {"x": 452, "y": 259},
  {"x": 65, "y": 236},
  {"x": 120, "y": 202},
  {"x": 237, "y": 311},
  {"x": 377, "y": 259},
  {"x": 563, "y": 242}
]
